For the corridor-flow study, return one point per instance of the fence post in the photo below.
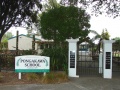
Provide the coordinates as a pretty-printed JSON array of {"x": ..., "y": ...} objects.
[
  {"x": 33, "y": 43},
  {"x": 17, "y": 42}
]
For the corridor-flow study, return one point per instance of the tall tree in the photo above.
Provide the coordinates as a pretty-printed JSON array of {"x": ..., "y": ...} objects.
[
  {"x": 104, "y": 35},
  {"x": 14, "y": 12},
  {"x": 110, "y": 7},
  {"x": 51, "y": 4},
  {"x": 64, "y": 22},
  {"x": 69, "y": 2}
]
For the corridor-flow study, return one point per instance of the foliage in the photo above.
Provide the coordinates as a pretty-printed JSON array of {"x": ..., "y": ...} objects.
[
  {"x": 1, "y": 77},
  {"x": 105, "y": 35},
  {"x": 4, "y": 42},
  {"x": 58, "y": 58},
  {"x": 116, "y": 38},
  {"x": 32, "y": 77},
  {"x": 49, "y": 78},
  {"x": 4, "y": 46},
  {"x": 51, "y": 4},
  {"x": 7, "y": 58},
  {"x": 14, "y": 12},
  {"x": 62, "y": 23},
  {"x": 116, "y": 44},
  {"x": 6, "y": 36},
  {"x": 29, "y": 52},
  {"x": 54, "y": 77},
  {"x": 69, "y": 2},
  {"x": 110, "y": 7}
]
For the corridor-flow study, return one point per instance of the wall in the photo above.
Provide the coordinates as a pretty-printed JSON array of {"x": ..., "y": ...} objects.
[{"x": 24, "y": 43}]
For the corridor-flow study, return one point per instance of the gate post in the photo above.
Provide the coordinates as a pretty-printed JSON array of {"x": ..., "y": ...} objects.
[
  {"x": 100, "y": 63},
  {"x": 72, "y": 57},
  {"x": 107, "y": 58}
]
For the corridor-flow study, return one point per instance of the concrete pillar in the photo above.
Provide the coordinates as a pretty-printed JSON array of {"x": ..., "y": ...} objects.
[
  {"x": 107, "y": 58},
  {"x": 100, "y": 63},
  {"x": 72, "y": 57}
]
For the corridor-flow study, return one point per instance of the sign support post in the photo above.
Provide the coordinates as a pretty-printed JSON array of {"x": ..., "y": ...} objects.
[
  {"x": 19, "y": 75},
  {"x": 72, "y": 57}
]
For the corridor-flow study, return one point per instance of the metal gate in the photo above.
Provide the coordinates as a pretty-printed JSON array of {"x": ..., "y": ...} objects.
[
  {"x": 116, "y": 60},
  {"x": 88, "y": 60}
]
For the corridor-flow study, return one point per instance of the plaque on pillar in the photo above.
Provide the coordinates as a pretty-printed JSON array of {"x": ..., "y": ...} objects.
[
  {"x": 72, "y": 59},
  {"x": 108, "y": 60}
]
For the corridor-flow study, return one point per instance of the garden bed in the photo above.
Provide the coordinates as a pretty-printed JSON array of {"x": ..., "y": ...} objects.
[{"x": 11, "y": 78}]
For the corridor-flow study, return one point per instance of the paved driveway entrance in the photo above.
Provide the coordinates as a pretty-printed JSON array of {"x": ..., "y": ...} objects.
[{"x": 82, "y": 83}]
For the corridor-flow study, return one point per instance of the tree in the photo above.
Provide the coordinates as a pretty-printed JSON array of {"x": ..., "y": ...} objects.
[
  {"x": 51, "y": 4},
  {"x": 104, "y": 35},
  {"x": 4, "y": 42},
  {"x": 110, "y": 7},
  {"x": 15, "y": 12},
  {"x": 63, "y": 23},
  {"x": 69, "y": 2},
  {"x": 116, "y": 44},
  {"x": 116, "y": 38}
]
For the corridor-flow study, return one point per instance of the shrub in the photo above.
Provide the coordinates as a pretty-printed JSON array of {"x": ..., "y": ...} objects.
[
  {"x": 58, "y": 58},
  {"x": 32, "y": 77},
  {"x": 1, "y": 77},
  {"x": 29, "y": 52},
  {"x": 55, "y": 77},
  {"x": 49, "y": 78}
]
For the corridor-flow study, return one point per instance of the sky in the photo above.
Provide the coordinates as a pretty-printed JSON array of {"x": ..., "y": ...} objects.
[
  {"x": 97, "y": 23},
  {"x": 101, "y": 22}
]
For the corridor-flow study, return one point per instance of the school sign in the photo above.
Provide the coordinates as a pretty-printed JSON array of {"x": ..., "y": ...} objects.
[{"x": 32, "y": 63}]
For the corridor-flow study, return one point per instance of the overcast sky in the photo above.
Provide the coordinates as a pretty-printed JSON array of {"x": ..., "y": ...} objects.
[
  {"x": 102, "y": 22},
  {"x": 97, "y": 23}
]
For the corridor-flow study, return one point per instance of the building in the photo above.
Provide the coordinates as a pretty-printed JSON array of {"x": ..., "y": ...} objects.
[{"x": 24, "y": 42}]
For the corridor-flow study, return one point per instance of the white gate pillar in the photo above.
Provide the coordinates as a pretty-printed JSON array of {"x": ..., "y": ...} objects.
[
  {"x": 107, "y": 58},
  {"x": 72, "y": 57},
  {"x": 100, "y": 63}
]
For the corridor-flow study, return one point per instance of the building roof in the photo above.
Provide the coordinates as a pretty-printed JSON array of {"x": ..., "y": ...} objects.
[{"x": 25, "y": 36}]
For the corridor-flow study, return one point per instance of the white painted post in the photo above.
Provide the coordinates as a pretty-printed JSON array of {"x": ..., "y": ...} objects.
[
  {"x": 19, "y": 75},
  {"x": 72, "y": 57},
  {"x": 44, "y": 74},
  {"x": 100, "y": 63},
  {"x": 107, "y": 58}
]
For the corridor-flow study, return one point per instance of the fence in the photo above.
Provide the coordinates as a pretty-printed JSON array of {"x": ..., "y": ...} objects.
[{"x": 7, "y": 58}]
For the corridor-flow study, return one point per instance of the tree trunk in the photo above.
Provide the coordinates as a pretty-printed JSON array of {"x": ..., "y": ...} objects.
[{"x": 1, "y": 35}]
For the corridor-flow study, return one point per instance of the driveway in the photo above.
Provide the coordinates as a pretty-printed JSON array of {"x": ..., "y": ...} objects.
[{"x": 82, "y": 83}]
